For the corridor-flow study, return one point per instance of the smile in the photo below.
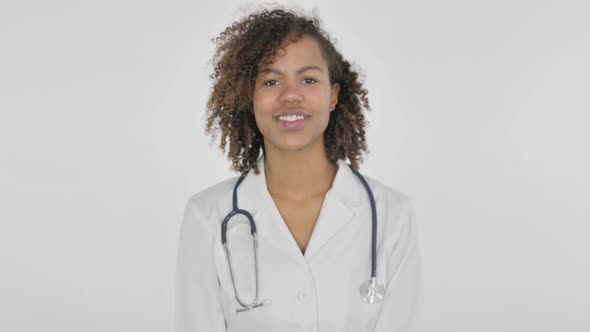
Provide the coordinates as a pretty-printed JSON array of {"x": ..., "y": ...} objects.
[{"x": 292, "y": 121}]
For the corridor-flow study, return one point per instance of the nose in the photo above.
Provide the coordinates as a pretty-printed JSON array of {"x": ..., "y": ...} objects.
[{"x": 290, "y": 92}]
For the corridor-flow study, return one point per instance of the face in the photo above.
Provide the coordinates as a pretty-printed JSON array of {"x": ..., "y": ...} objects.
[{"x": 293, "y": 98}]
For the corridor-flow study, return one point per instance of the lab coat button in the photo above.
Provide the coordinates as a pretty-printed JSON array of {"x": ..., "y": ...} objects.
[{"x": 304, "y": 296}]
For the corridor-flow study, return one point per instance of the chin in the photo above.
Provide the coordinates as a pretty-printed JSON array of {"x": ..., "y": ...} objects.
[{"x": 292, "y": 146}]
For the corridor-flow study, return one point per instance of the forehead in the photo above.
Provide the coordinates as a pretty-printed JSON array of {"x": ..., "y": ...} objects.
[{"x": 305, "y": 51}]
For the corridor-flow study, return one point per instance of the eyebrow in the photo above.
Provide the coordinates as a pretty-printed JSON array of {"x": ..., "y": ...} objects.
[{"x": 299, "y": 71}]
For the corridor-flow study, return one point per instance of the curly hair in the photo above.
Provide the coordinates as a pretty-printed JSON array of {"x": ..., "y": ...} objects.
[{"x": 247, "y": 46}]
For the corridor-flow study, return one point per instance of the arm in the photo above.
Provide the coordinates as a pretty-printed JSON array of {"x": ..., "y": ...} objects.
[
  {"x": 198, "y": 307},
  {"x": 400, "y": 304}
]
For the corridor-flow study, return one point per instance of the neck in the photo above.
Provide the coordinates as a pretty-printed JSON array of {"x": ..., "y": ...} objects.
[{"x": 298, "y": 175}]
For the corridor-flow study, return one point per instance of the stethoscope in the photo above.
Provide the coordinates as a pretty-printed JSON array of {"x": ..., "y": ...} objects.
[{"x": 371, "y": 291}]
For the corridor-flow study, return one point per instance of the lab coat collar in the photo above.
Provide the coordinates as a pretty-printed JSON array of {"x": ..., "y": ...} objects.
[{"x": 337, "y": 210}]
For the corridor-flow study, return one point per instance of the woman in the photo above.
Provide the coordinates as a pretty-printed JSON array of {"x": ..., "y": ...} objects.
[{"x": 291, "y": 107}]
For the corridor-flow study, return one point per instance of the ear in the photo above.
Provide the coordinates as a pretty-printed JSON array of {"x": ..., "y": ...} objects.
[{"x": 335, "y": 89}]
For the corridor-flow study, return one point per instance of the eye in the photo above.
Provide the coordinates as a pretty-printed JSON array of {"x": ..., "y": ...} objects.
[
  {"x": 307, "y": 80},
  {"x": 265, "y": 83}
]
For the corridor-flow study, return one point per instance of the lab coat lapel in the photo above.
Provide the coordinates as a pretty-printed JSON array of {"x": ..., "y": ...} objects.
[
  {"x": 337, "y": 210},
  {"x": 339, "y": 207},
  {"x": 254, "y": 197}
]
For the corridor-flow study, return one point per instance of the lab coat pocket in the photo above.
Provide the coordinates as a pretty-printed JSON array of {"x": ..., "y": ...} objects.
[
  {"x": 370, "y": 313},
  {"x": 366, "y": 314}
]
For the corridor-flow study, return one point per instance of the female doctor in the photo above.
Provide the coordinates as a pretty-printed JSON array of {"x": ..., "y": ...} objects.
[{"x": 300, "y": 241}]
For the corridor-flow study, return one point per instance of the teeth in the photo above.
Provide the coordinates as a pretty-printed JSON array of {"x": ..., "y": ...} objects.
[{"x": 291, "y": 117}]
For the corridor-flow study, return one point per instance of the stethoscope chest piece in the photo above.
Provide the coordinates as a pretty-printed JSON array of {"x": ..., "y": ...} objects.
[{"x": 372, "y": 291}]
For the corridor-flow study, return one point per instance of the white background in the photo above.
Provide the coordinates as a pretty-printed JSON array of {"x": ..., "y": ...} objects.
[{"x": 480, "y": 113}]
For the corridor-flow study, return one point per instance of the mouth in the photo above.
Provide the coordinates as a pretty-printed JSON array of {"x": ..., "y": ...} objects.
[{"x": 292, "y": 121}]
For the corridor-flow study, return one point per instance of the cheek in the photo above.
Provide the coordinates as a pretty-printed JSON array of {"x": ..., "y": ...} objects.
[
  {"x": 261, "y": 117},
  {"x": 259, "y": 105},
  {"x": 262, "y": 102},
  {"x": 259, "y": 120},
  {"x": 326, "y": 121},
  {"x": 322, "y": 98}
]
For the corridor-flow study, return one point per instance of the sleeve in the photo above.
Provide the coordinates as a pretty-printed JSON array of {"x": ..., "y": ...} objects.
[
  {"x": 400, "y": 304},
  {"x": 197, "y": 302}
]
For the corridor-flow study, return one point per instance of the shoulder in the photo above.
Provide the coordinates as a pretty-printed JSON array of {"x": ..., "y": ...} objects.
[
  {"x": 213, "y": 193},
  {"x": 206, "y": 203},
  {"x": 385, "y": 193},
  {"x": 392, "y": 203},
  {"x": 394, "y": 207}
]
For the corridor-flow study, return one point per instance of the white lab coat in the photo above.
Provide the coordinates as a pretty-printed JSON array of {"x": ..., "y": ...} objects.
[{"x": 318, "y": 291}]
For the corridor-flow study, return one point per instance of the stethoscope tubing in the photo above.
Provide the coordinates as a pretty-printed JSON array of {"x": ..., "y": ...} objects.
[
  {"x": 373, "y": 222},
  {"x": 253, "y": 231}
]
